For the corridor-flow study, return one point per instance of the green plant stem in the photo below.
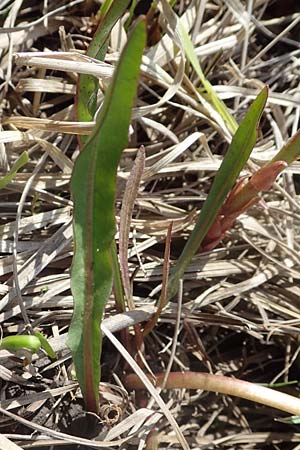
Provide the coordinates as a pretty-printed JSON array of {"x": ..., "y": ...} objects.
[{"x": 223, "y": 385}]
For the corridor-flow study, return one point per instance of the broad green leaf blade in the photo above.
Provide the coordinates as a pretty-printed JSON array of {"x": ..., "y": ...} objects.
[
  {"x": 13, "y": 171},
  {"x": 236, "y": 157},
  {"x": 87, "y": 86},
  {"x": 290, "y": 151},
  {"x": 93, "y": 189}
]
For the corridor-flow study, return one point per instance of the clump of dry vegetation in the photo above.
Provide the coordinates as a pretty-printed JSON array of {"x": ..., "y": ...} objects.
[{"x": 239, "y": 309}]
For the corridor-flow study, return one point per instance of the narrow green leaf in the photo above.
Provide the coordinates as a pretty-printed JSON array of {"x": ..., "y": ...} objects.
[
  {"x": 45, "y": 345},
  {"x": 211, "y": 96},
  {"x": 290, "y": 151},
  {"x": 20, "y": 342},
  {"x": 236, "y": 157},
  {"x": 32, "y": 343},
  {"x": 93, "y": 189},
  {"x": 130, "y": 15},
  {"x": 87, "y": 85},
  {"x": 105, "y": 7},
  {"x": 13, "y": 171}
]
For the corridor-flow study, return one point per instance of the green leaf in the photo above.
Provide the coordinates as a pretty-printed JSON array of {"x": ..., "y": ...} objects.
[
  {"x": 93, "y": 189},
  {"x": 105, "y": 7},
  {"x": 130, "y": 15},
  {"x": 290, "y": 151},
  {"x": 45, "y": 345},
  {"x": 87, "y": 85},
  {"x": 211, "y": 96},
  {"x": 236, "y": 157},
  {"x": 13, "y": 171},
  {"x": 20, "y": 342},
  {"x": 32, "y": 343}
]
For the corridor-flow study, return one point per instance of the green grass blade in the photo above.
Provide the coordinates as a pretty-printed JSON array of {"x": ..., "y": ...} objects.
[
  {"x": 105, "y": 7},
  {"x": 290, "y": 151},
  {"x": 236, "y": 157},
  {"x": 130, "y": 15},
  {"x": 45, "y": 345},
  {"x": 210, "y": 96},
  {"x": 13, "y": 171},
  {"x": 190, "y": 53},
  {"x": 93, "y": 189},
  {"x": 87, "y": 86}
]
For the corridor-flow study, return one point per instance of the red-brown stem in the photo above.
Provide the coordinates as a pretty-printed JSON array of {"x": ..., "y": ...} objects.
[
  {"x": 261, "y": 180},
  {"x": 152, "y": 441},
  {"x": 223, "y": 385},
  {"x": 163, "y": 298}
]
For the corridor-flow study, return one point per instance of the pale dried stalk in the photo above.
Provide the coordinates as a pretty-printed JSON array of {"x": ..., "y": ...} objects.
[{"x": 129, "y": 198}]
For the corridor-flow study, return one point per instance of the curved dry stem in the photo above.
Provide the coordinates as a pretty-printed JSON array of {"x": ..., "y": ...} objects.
[{"x": 223, "y": 385}]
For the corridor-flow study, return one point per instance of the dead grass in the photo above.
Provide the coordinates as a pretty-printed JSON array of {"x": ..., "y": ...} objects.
[{"x": 241, "y": 311}]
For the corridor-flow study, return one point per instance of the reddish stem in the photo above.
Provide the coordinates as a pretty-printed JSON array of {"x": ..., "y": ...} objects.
[{"x": 223, "y": 385}]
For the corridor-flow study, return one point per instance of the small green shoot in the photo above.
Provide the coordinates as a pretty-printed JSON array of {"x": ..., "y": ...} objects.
[
  {"x": 45, "y": 345},
  {"x": 29, "y": 343},
  {"x": 20, "y": 342},
  {"x": 21, "y": 161}
]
